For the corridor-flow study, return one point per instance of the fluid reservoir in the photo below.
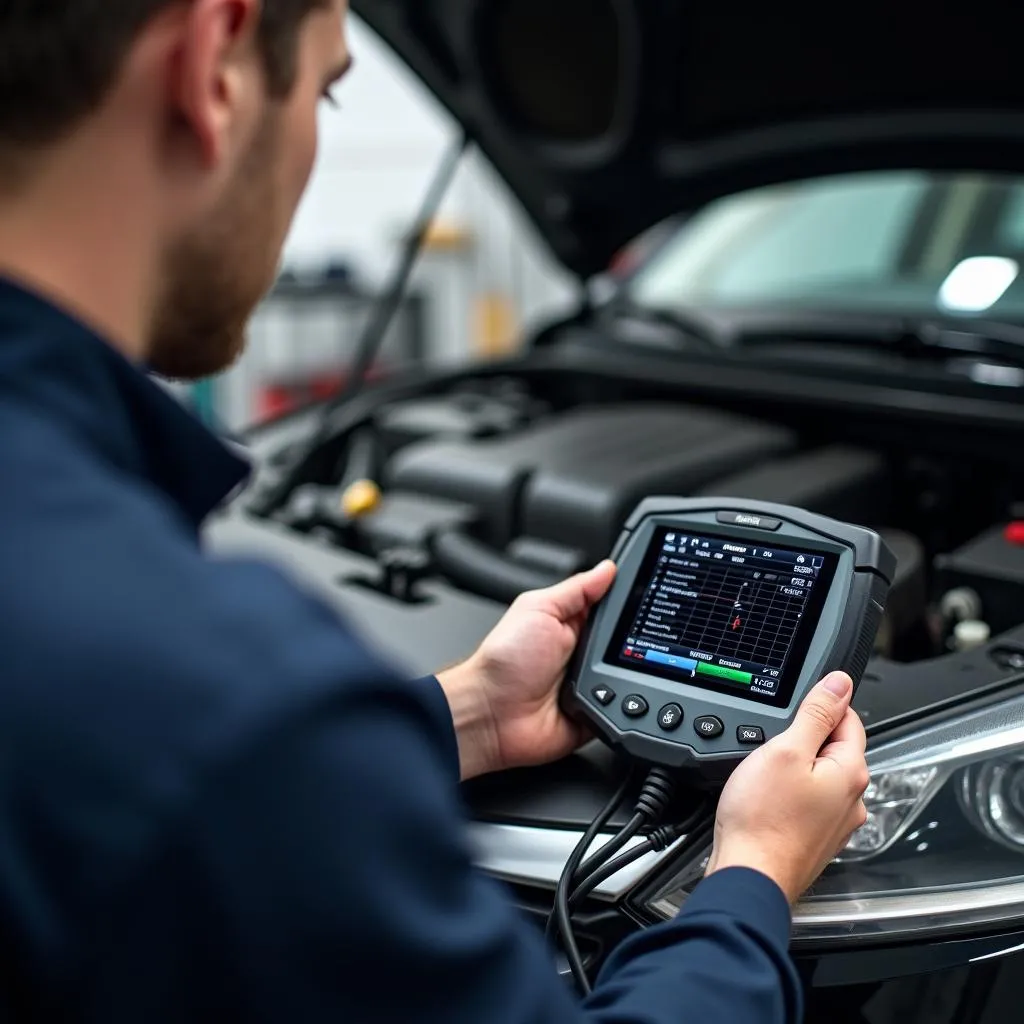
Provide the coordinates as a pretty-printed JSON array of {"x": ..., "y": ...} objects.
[{"x": 970, "y": 633}]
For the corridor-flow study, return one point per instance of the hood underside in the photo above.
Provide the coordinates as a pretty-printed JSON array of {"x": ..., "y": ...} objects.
[{"x": 608, "y": 116}]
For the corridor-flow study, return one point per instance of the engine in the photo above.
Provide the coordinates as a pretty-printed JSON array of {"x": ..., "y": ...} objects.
[{"x": 497, "y": 491}]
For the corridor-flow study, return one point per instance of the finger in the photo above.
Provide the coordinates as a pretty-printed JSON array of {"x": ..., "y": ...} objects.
[
  {"x": 849, "y": 741},
  {"x": 578, "y": 594},
  {"x": 821, "y": 713}
]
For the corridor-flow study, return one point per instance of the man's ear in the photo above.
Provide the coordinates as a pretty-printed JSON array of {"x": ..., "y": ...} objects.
[{"x": 214, "y": 70}]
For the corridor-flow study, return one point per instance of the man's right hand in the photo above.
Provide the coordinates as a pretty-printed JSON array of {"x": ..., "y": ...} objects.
[{"x": 793, "y": 804}]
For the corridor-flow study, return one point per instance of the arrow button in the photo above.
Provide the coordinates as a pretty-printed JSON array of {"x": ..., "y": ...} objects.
[
  {"x": 604, "y": 695},
  {"x": 634, "y": 706}
]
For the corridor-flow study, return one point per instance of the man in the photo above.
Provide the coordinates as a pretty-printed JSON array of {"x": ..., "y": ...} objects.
[{"x": 214, "y": 803}]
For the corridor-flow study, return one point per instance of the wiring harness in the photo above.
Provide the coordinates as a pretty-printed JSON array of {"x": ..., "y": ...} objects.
[{"x": 580, "y": 876}]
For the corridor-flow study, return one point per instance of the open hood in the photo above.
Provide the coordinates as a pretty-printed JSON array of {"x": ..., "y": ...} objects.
[{"x": 607, "y": 116}]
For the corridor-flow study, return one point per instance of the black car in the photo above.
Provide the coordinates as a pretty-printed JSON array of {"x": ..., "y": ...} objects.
[{"x": 829, "y": 313}]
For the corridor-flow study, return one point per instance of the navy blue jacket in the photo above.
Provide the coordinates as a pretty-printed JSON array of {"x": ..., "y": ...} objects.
[{"x": 215, "y": 803}]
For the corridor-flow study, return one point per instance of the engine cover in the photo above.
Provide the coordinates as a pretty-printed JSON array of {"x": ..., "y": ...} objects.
[{"x": 572, "y": 479}]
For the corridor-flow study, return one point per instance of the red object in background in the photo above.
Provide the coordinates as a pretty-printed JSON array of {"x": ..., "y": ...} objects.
[
  {"x": 275, "y": 400},
  {"x": 325, "y": 387},
  {"x": 1014, "y": 533},
  {"x": 623, "y": 263},
  {"x": 272, "y": 402}
]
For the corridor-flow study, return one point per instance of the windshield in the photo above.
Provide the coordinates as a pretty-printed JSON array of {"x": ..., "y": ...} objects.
[{"x": 910, "y": 242}]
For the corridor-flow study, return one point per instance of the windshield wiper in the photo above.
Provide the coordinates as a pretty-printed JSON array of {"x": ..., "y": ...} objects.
[
  {"x": 925, "y": 337},
  {"x": 680, "y": 323}
]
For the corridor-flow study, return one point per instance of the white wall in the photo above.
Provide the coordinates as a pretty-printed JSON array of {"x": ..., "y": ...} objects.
[
  {"x": 374, "y": 161},
  {"x": 377, "y": 155}
]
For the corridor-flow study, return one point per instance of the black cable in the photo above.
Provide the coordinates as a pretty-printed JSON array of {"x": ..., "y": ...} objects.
[
  {"x": 563, "y": 918},
  {"x": 596, "y": 826},
  {"x": 376, "y": 330},
  {"x": 654, "y": 799},
  {"x": 660, "y": 839},
  {"x": 612, "y": 847},
  {"x": 667, "y": 835},
  {"x": 656, "y": 794}
]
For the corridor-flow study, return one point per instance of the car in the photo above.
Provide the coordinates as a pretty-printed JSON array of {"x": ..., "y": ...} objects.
[{"x": 799, "y": 246}]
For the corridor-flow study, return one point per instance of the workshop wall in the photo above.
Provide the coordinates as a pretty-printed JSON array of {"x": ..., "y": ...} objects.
[
  {"x": 482, "y": 280},
  {"x": 376, "y": 159}
]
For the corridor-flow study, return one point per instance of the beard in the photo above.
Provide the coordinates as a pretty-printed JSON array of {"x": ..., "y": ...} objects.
[{"x": 215, "y": 277}]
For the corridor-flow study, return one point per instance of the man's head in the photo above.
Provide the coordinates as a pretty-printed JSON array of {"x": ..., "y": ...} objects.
[{"x": 195, "y": 121}]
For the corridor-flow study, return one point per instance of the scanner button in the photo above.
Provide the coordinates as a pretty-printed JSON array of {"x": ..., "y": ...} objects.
[
  {"x": 708, "y": 726},
  {"x": 670, "y": 717},
  {"x": 634, "y": 706},
  {"x": 750, "y": 734},
  {"x": 604, "y": 695}
]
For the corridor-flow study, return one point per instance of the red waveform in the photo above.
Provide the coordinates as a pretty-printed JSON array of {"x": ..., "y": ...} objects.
[{"x": 737, "y": 622}]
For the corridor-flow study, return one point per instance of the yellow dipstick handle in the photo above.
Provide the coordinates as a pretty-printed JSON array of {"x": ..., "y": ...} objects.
[{"x": 360, "y": 498}]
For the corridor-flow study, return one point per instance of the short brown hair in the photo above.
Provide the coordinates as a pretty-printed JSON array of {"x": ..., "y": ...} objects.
[{"x": 59, "y": 58}]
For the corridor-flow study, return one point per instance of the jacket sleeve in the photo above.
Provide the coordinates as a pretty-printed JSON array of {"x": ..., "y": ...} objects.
[{"x": 324, "y": 877}]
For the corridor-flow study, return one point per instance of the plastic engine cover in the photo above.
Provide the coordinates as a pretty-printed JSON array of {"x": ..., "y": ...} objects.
[{"x": 573, "y": 479}]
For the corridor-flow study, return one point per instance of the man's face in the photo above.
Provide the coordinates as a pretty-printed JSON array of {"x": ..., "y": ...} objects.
[{"x": 216, "y": 274}]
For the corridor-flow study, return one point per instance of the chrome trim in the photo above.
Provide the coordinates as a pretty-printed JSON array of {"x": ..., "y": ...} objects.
[
  {"x": 909, "y": 915},
  {"x": 536, "y": 856},
  {"x": 959, "y": 741}
]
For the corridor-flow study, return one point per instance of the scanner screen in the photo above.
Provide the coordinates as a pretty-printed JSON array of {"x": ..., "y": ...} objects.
[{"x": 734, "y": 616}]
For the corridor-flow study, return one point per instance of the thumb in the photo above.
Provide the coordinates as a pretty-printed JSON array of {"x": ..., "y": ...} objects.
[
  {"x": 821, "y": 712},
  {"x": 574, "y": 596}
]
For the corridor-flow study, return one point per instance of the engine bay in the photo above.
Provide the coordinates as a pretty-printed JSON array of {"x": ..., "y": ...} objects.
[
  {"x": 495, "y": 488},
  {"x": 434, "y": 502}
]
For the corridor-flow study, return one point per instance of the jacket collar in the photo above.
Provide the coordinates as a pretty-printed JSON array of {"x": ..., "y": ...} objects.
[{"x": 69, "y": 373}]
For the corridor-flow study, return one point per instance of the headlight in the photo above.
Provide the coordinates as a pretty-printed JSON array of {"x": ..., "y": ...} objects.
[
  {"x": 992, "y": 796},
  {"x": 942, "y": 849}
]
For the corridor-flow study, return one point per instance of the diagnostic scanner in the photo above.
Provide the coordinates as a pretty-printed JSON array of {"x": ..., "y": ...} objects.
[{"x": 722, "y": 617}]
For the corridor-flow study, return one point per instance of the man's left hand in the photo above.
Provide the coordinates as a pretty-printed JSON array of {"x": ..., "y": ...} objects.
[{"x": 504, "y": 699}]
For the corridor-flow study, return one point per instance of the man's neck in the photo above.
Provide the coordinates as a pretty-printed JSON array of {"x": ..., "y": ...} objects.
[{"x": 71, "y": 236}]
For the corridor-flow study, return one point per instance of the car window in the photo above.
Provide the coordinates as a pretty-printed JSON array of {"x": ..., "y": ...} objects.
[
  {"x": 1011, "y": 224},
  {"x": 878, "y": 240},
  {"x": 832, "y": 232}
]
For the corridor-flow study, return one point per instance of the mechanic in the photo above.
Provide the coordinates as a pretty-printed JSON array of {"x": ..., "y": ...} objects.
[{"x": 216, "y": 804}]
